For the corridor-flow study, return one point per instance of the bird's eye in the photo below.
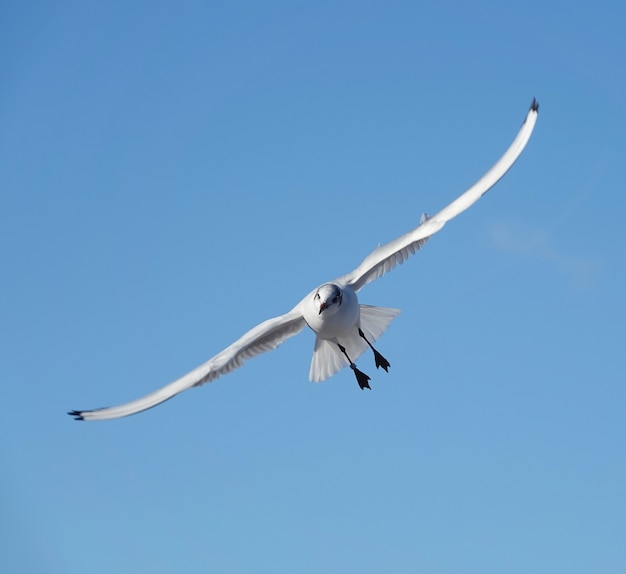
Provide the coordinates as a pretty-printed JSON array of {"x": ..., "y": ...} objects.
[{"x": 335, "y": 298}]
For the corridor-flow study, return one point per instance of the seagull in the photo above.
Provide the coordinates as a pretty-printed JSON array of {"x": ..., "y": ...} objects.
[{"x": 344, "y": 328}]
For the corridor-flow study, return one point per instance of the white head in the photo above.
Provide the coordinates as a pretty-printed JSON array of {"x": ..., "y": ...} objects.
[{"x": 328, "y": 298}]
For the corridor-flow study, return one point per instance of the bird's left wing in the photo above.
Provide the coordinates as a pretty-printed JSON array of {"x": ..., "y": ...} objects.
[
  {"x": 387, "y": 256},
  {"x": 264, "y": 337}
]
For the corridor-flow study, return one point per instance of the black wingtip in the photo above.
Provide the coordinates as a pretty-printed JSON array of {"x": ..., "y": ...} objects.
[
  {"x": 534, "y": 106},
  {"x": 77, "y": 415}
]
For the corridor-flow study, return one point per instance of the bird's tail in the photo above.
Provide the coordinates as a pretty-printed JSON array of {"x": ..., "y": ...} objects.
[{"x": 328, "y": 359}]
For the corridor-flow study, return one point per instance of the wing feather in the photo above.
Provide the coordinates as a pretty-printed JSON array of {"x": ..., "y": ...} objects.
[
  {"x": 264, "y": 337},
  {"x": 386, "y": 257}
]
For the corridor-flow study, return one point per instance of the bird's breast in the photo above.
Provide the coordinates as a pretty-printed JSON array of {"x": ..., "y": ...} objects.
[{"x": 334, "y": 322}]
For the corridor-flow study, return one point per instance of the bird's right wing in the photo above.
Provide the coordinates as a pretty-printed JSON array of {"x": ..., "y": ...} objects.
[
  {"x": 264, "y": 337},
  {"x": 387, "y": 256}
]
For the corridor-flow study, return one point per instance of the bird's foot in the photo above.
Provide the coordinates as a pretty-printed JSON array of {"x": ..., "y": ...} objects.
[
  {"x": 381, "y": 361},
  {"x": 361, "y": 377}
]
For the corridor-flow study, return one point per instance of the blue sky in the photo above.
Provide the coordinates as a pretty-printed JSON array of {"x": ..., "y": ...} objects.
[{"x": 172, "y": 174}]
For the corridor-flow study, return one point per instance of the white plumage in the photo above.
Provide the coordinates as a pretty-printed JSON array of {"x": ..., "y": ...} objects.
[{"x": 344, "y": 328}]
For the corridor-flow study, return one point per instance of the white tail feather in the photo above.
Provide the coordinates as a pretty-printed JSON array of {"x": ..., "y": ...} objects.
[{"x": 328, "y": 359}]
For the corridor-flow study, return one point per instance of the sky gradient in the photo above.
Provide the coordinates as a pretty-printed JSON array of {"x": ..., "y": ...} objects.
[{"x": 172, "y": 174}]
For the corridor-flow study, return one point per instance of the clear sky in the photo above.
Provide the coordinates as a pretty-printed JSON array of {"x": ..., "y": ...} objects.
[{"x": 173, "y": 173}]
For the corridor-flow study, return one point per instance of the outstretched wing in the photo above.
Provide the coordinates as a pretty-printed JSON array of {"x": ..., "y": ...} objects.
[
  {"x": 387, "y": 256},
  {"x": 264, "y": 337}
]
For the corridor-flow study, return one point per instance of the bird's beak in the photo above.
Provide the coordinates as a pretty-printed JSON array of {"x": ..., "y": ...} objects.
[{"x": 322, "y": 307}]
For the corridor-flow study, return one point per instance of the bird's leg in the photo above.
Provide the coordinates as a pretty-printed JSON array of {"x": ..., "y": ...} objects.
[
  {"x": 380, "y": 360},
  {"x": 361, "y": 377}
]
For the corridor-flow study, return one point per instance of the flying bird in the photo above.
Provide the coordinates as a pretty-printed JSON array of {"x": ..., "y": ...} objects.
[{"x": 344, "y": 328}]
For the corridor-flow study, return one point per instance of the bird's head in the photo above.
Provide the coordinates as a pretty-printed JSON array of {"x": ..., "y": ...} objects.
[{"x": 328, "y": 298}]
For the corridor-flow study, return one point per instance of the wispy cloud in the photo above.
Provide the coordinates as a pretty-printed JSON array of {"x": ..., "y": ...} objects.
[{"x": 535, "y": 243}]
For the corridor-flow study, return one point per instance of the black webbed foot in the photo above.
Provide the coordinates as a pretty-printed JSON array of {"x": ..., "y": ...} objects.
[
  {"x": 361, "y": 378},
  {"x": 381, "y": 361}
]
